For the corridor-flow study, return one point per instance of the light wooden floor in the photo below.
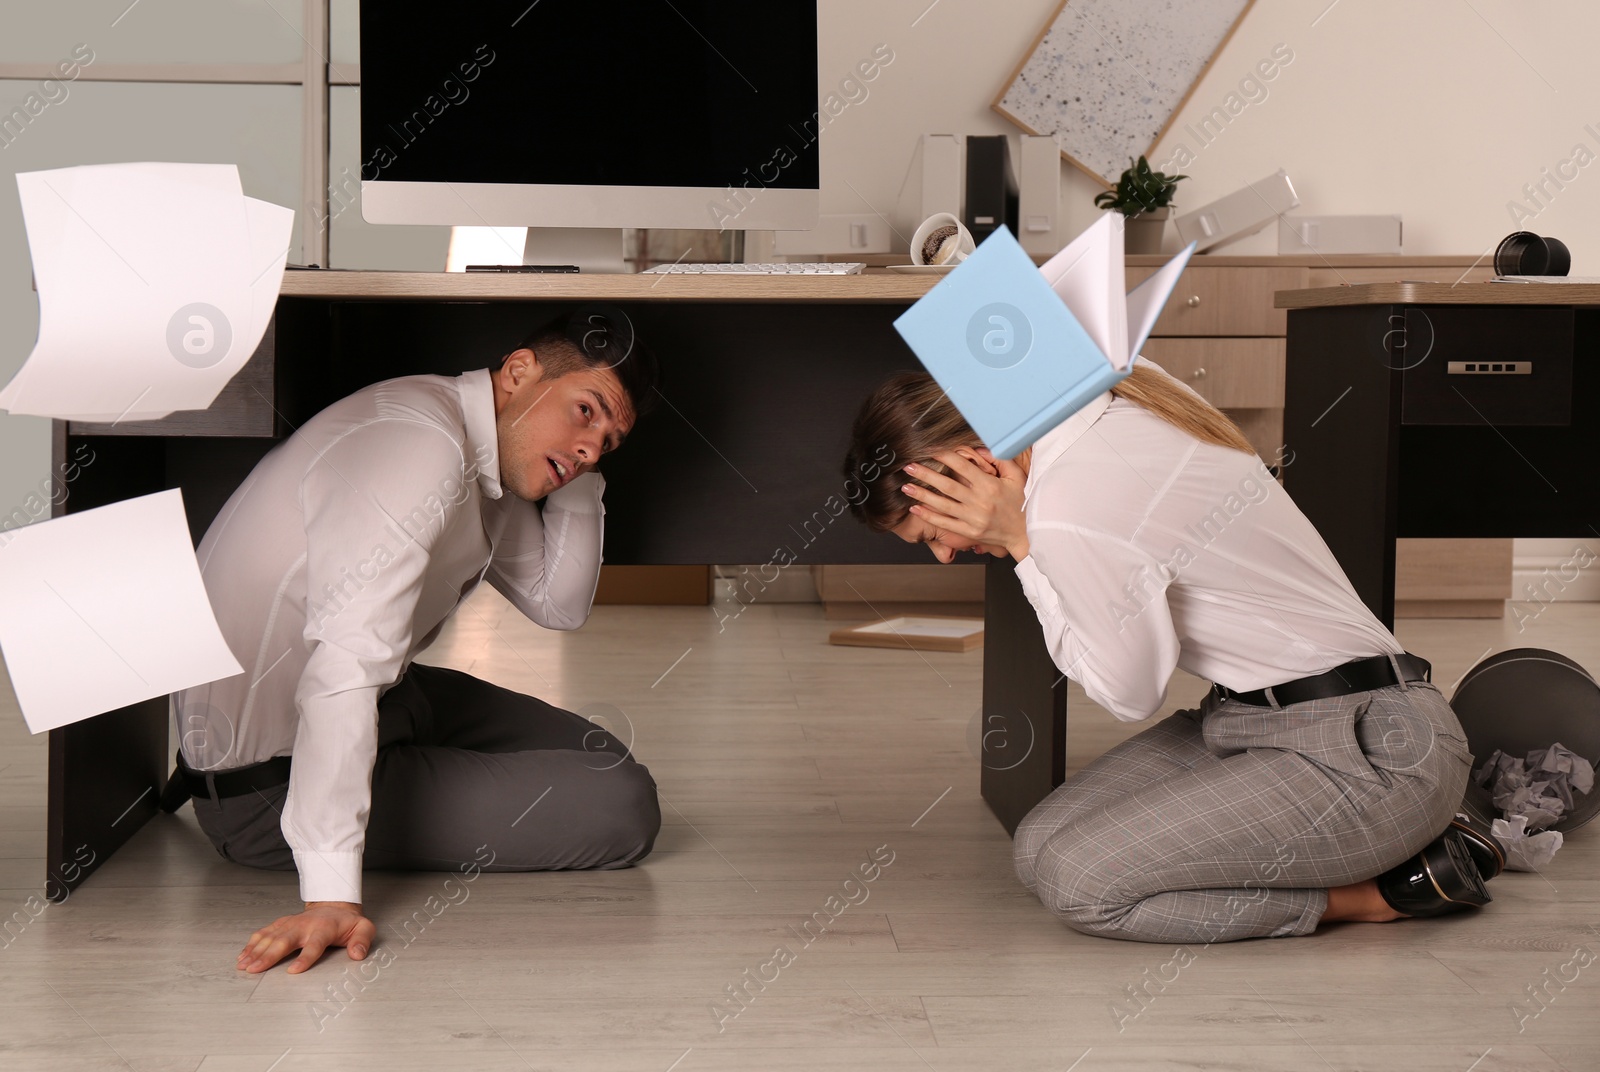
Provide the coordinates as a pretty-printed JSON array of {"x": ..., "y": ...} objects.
[{"x": 782, "y": 763}]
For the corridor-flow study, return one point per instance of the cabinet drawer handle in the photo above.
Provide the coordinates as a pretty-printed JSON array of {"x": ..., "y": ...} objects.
[
  {"x": 1199, "y": 373},
  {"x": 1193, "y": 301}
]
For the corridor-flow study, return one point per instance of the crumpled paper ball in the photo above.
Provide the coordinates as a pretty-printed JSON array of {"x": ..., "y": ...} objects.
[
  {"x": 1540, "y": 787},
  {"x": 1525, "y": 851},
  {"x": 1533, "y": 794}
]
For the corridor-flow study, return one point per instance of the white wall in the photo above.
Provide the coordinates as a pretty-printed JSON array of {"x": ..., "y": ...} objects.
[{"x": 1438, "y": 110}]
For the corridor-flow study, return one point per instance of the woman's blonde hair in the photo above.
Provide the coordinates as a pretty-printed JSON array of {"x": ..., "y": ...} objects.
[{"x": 909, "y": 419}]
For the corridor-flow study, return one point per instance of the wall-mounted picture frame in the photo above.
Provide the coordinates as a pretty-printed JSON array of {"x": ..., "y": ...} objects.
[{"x": 1105, "y": 78}]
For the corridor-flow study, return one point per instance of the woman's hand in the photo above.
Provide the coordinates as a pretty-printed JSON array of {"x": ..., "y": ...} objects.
[{"x": 983, "y": 505}]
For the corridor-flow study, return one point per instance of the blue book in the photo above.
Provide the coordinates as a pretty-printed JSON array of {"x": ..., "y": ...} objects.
[{"x": 1018, "y": 348}]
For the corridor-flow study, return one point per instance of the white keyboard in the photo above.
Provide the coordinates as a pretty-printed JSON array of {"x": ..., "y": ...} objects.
[{"x": 797, "y": 268}]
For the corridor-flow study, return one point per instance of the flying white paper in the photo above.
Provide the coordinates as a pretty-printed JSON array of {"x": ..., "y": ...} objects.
[
  {"x": 104, "y": 608},
  {"x": 156, "y": 282}
]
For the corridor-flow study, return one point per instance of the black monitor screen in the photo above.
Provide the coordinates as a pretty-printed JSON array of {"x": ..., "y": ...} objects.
[{"x": 696, "y": 93}]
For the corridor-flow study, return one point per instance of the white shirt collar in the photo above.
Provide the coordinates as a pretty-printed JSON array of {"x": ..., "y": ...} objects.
[
  {"x": 476, "y": 389},
  {"x": 1054, "y": 443}
]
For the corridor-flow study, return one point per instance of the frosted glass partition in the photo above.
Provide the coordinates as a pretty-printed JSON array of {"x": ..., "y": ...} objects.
[
  {"x": 155, "y": 31},
  {"x": 344, "y": 32},
  {"x": 353, "y": 242}
]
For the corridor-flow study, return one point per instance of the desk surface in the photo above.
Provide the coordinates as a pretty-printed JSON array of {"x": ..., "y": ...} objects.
[
  {"x": 888, "y": 288},
  {"x": 1441, "y": 294},
  {"x": 866, "y": 288}
]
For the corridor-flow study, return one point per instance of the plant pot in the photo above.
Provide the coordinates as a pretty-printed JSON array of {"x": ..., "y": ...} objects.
[{"x": 1143, "y": 233}]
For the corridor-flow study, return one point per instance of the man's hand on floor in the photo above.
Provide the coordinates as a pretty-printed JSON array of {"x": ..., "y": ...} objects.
[{"x": 322, "y": 924}]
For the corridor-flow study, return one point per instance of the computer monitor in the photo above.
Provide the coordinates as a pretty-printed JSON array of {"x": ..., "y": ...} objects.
[{"x": 590, "y": 113}]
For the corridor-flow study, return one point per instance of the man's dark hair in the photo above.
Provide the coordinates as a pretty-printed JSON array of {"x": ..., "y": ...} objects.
[{"x": 598, "y": 337}]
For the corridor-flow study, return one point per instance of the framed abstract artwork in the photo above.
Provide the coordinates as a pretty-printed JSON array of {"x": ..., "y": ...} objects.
[{"x": 1106, "y": 77}]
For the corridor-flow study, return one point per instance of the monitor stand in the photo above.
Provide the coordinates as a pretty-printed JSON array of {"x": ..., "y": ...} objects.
[{"x": 592, "y": 249}]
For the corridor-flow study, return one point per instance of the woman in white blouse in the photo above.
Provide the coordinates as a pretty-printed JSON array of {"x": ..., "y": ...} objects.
[{"x": 1317, "y": 780}]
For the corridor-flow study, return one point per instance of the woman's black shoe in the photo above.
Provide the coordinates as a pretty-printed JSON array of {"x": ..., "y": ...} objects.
[
  {"x": 1441, "y": 878},
  {"x": 1475, "y": 819},
  {"x": 1486, "y": 851}
]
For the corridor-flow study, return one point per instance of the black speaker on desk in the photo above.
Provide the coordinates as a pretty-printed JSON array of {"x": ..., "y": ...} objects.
[{"x": 991, "y": 186}]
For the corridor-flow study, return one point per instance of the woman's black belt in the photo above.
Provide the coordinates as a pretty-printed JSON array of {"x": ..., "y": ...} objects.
[{"x": 1362, "y": 675}]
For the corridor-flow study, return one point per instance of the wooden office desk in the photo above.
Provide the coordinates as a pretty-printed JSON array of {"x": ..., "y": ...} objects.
[
  {"x": 761, "y": 378},
  {"x": 1393, "y": 436}
]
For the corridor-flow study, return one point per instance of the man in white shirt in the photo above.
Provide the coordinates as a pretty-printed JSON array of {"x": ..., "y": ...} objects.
[{"x": 338, "y": 560}]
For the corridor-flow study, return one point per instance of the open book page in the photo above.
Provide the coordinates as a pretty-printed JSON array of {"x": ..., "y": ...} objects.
[
  {"x": 1146, "y": 300},
  {"x": 1089, "y": 278}
]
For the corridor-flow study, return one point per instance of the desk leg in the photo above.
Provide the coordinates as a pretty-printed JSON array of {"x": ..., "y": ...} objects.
[
  {"x": 1024, "y": 725},
  {"x": 106, "y": 772},
  {"x": 106, "y": 776}
]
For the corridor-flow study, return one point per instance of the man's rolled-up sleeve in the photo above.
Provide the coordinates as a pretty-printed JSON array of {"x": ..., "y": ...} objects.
[{"x": 548, "y": 564}]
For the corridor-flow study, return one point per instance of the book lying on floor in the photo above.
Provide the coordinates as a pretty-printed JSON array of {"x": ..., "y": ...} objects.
[{"x": 1019, "y": 349}]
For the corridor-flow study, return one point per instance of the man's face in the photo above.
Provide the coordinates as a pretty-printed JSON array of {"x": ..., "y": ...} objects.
[{"x": 553, "y": 430}]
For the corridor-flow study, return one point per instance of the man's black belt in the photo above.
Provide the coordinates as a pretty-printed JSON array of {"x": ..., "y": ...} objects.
[
  {"x": 1362, "y": 675},
  {"x": 187, "y": 782}
]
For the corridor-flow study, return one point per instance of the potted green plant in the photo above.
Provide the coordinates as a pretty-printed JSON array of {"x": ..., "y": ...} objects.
[{"x": 1144, "y": 197}]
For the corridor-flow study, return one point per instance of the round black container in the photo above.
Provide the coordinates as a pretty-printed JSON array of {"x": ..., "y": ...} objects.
[
  {"x": 1525, "y": 253},
  {"x": 1529, "y": 698}
]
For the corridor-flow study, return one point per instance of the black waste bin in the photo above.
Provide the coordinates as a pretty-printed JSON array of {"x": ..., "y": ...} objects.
[{"x": 1529, "y": 698}]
